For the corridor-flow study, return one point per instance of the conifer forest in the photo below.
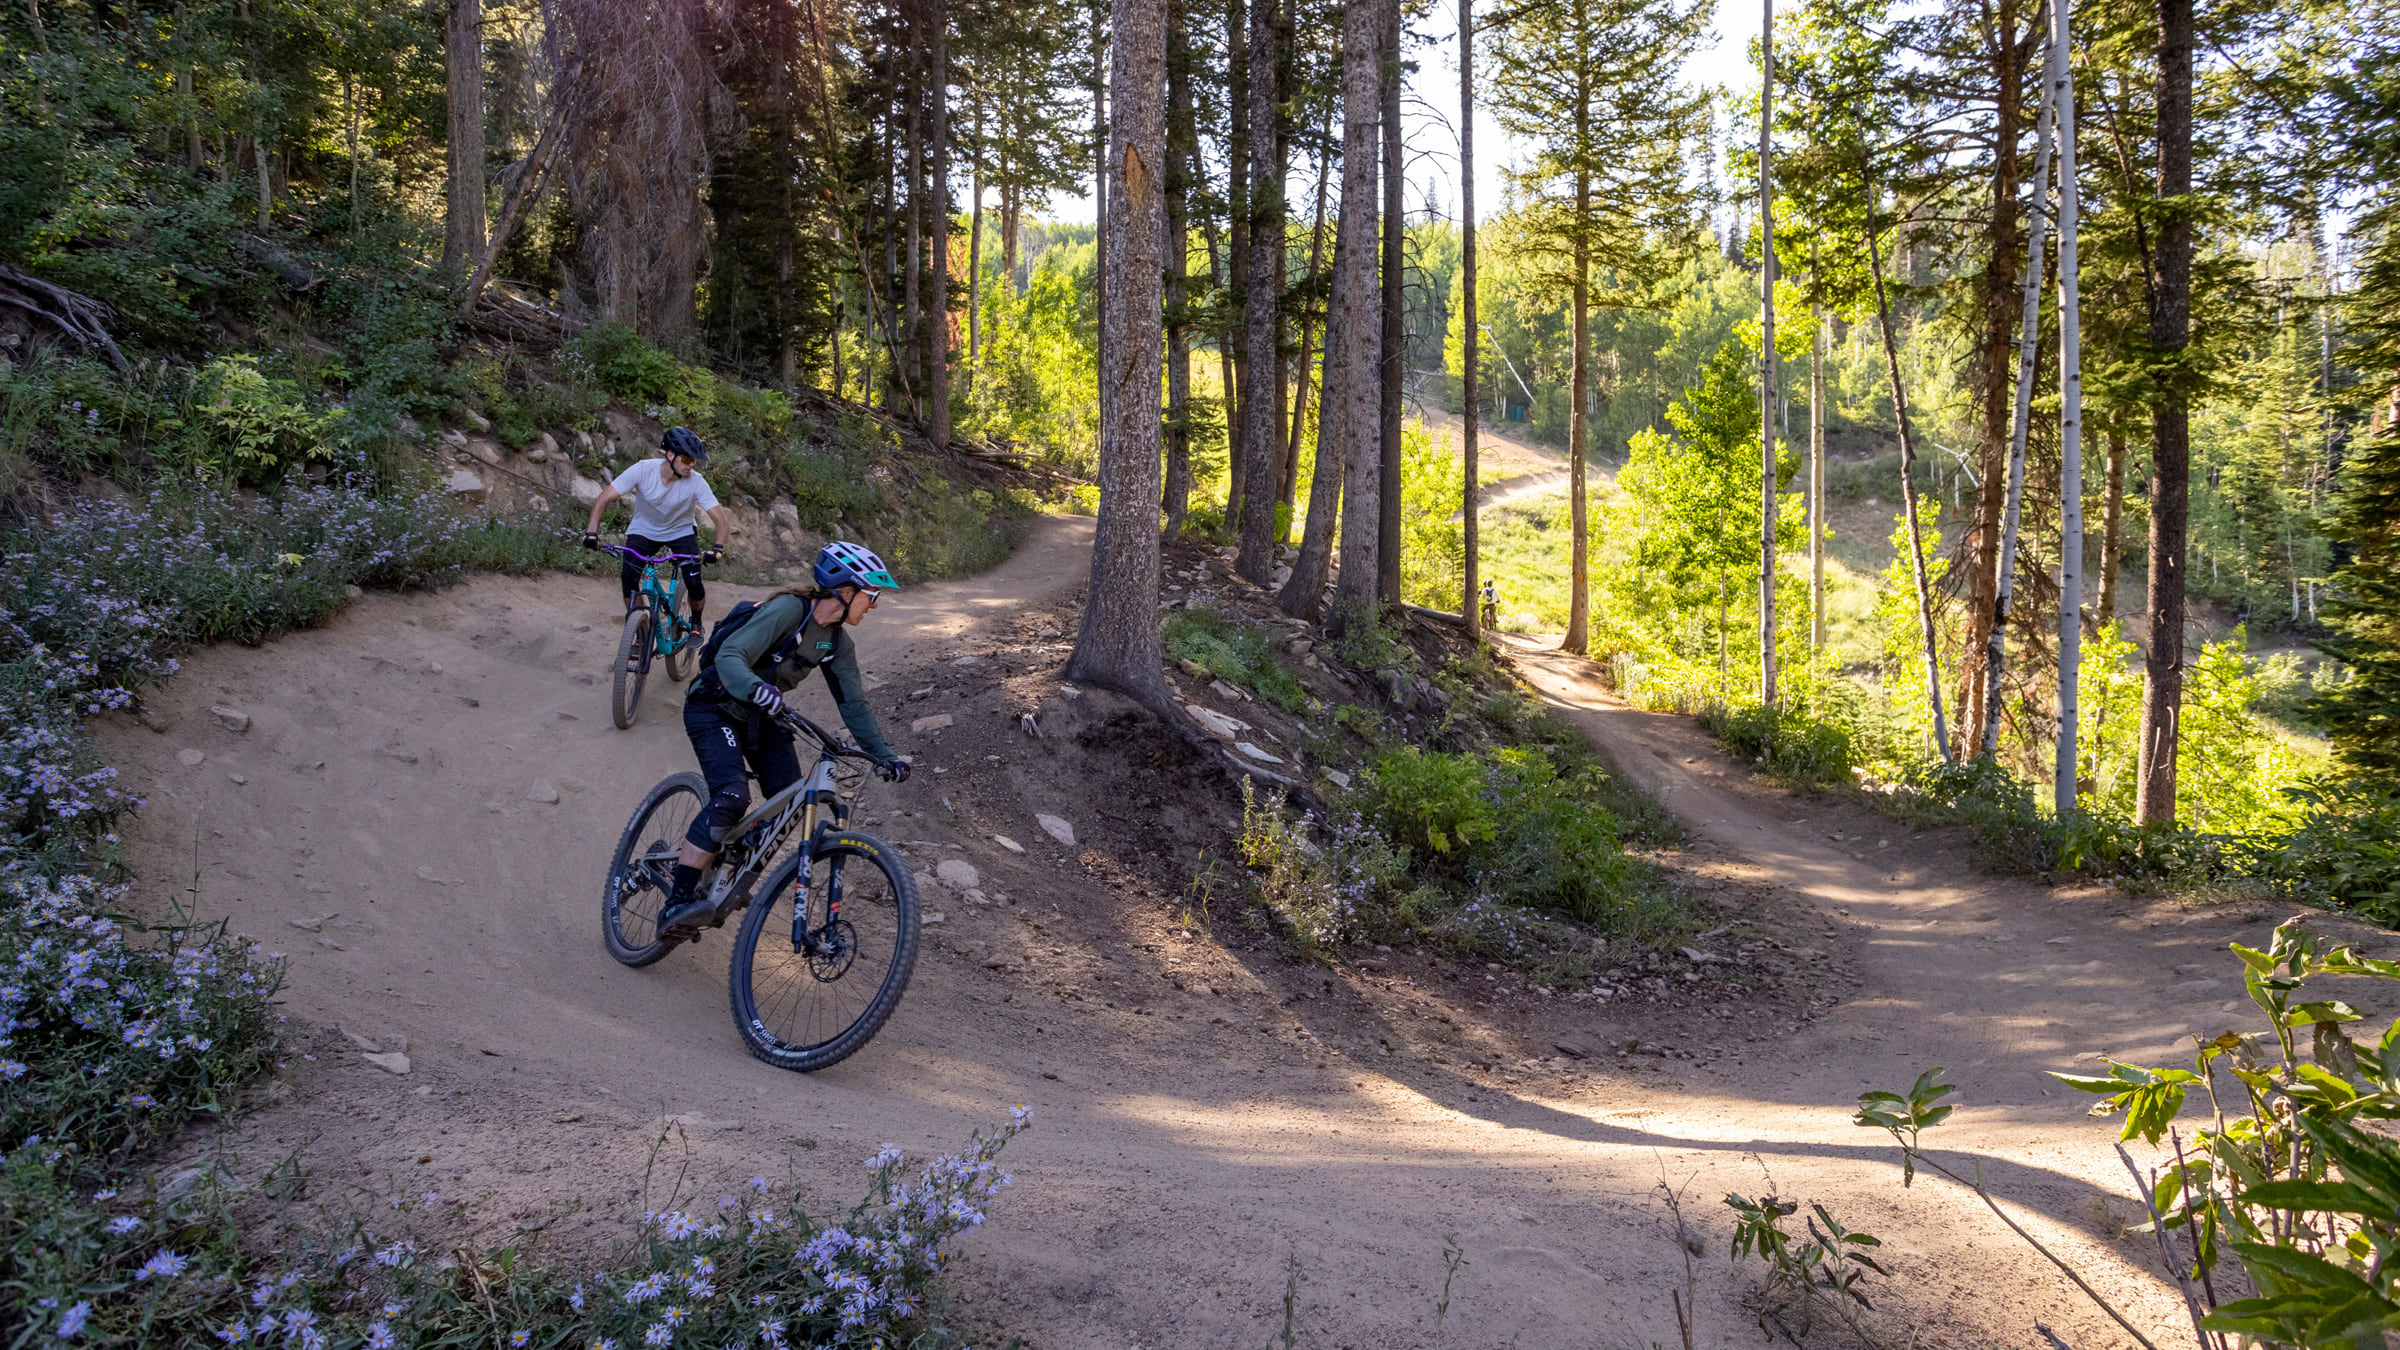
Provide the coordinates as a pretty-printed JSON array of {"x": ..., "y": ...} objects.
[
  {"x": 1498, "y": 590},
  {"x": 2055, "y": 347}
]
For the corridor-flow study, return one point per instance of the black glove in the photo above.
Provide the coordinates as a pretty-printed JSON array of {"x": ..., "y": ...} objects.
[
  {"x": 893, "y": 770},
  {"x": 767, "y": 698},
  {"x": 591, "y": 541},
  {"x": 712, "y": 555}
]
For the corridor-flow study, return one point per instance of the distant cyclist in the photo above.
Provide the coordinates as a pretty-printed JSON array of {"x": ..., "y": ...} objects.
[
  {"x": 666, "y": 492},
  {"x": 729, "y": 711}
]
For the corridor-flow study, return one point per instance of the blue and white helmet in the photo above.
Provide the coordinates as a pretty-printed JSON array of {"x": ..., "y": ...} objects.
[{"x": 845, "y": 564}]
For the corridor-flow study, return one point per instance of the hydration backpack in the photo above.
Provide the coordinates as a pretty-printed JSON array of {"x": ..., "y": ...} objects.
[{"x": 735, "y": 617}]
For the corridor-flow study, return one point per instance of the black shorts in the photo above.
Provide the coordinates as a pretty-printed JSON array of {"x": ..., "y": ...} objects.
[
  {"x": 630, "y": 572},
  {"x": 726, "y": 737}
]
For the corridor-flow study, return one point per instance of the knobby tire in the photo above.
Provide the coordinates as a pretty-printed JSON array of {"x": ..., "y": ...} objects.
[
  {"x": 633, "y": 668},
  {"x": 770, "y": 983},
  {"x": 629, "y": 907}
]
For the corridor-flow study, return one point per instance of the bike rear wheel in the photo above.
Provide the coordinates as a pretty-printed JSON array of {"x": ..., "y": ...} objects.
[
  {"x": 633, "y": 668},
  {"x": 805, "y": 1005},
  {"x": 686, "y": 652},
  {"x": 643, "y": 869}
]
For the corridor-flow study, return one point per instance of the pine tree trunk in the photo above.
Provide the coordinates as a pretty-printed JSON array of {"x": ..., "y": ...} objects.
[
  {"x": 1995, "y": 340},
  {"x": 1303, "y": 594},
  {"x": 1100, "y": 192},
  {"x": 1908, "y": 501},
  {"x": 1470, "y": 606},
  {"x": 2170, "y": 425},
  {"x": 937, "y": 205},
  {"x": 1262, "y": 303},
  {"x": 1346, "y": 417},
  {"x": 912, "y": 284},
  {"x": 1118, "y": 646},
  {"x": 1234, "y": 340},
  {"x": 2112, "y": 525},
  {"x": 464, "y": 221},
  {"x": 1178, "y": 234},
  {"x": 1394, "y": 363}
]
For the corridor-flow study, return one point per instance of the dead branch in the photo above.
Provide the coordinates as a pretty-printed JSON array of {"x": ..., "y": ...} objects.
[{"x": 78, "y": 316}]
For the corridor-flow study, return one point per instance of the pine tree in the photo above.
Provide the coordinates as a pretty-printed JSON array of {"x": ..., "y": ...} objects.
[{"x": 1594, "y": 86}]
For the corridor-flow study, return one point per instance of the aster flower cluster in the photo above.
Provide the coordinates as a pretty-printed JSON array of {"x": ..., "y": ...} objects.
[
  {"x": 111, "y": 1032},
  {"x": 1321, "y": 889}
]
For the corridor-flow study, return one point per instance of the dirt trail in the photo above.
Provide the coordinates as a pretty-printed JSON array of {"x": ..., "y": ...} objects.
[{"x": 1204, "y": 1115}]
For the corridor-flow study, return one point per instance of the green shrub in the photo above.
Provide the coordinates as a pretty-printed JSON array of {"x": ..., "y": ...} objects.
[
  {"x": 247, "y": 427},
  {"x": 829, "y": 487},
  {"x": 1785, "y": 742},
  {"x": 623, "y": 364},
  {"x": 941, "y": 532},
  {"x": 1235, "y": 652},
  {"x": 1432, "y": 803}
]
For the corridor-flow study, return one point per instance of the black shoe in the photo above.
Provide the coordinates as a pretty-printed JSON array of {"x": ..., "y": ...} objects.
[{"x": 686, "y": 919}]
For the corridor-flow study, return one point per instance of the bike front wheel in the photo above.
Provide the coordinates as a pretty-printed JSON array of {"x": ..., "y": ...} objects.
[
  {"x": 824, "y": 955},
  {"x": 643, "y": 870},
  {"x": 633, "y": 668}
]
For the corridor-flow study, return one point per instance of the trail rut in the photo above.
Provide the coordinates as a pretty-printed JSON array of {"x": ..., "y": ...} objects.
[{"x": 1205, "y": 1116}]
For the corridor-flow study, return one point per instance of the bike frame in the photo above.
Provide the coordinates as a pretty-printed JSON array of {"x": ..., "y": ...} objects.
[
  {"x": 662, "y": 585},
  {"x": 807, "y": 809}
]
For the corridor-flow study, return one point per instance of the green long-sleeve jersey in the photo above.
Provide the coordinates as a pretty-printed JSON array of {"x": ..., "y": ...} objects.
[{"x": 783, "y": 642}]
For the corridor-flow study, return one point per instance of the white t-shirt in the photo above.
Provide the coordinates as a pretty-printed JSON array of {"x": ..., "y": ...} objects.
[{"x": 663, "y": 507}]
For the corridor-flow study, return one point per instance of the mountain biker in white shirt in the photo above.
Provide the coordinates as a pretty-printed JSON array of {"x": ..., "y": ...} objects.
[{"x": 666, "y": 493}]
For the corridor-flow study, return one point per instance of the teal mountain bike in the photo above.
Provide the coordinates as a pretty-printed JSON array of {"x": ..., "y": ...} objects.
[
  {"x": 659, "y": 626},
  {"x": 828, "y": 934}
]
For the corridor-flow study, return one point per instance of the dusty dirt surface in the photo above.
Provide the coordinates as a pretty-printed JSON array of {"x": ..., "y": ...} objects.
[{"x": 420, "y": 812}]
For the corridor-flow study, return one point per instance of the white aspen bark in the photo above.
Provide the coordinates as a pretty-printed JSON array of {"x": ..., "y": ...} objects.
[
  {"x": 2028, "y": 345},
  {"x": 1766, "y": 358},
  {"x": 2070, "y": 417},
  {"x": 1816, "y": 483}
]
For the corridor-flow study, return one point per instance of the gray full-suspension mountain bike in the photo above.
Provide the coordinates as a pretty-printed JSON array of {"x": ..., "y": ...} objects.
[{"x": 829, "y": 934}]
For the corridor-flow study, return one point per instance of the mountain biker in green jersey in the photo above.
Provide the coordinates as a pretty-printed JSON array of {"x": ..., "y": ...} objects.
[{"x": 730, "y": 710}]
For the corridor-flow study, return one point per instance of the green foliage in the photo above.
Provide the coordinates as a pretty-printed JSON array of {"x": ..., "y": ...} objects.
[
  {"x": 1432, "y": 542},
  {"x": 246, "y": 426},
  {"x": 1824, "y": 1270},
  {"x": 1238, "y": 653},
  {"x": 1785, "y": 742},
  {"x": 1034, "y": 380},
  {"x": 623, "y": 364},
  {"x": 1432, "y": 803},
  {"x": 1325, "y": 893},
  {"x": 2297, "y": 1190},
  {"x": 830, "y": 487},
  {"x": 940, "y": 531}
]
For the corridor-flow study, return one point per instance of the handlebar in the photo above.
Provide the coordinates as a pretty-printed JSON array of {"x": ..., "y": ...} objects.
[
  {"x": 638, "y": 556},
  {"x": 832, "y": 745}
]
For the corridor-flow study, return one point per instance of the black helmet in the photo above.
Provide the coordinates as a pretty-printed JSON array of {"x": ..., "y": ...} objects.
[{"x": 679, "y": 441}]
